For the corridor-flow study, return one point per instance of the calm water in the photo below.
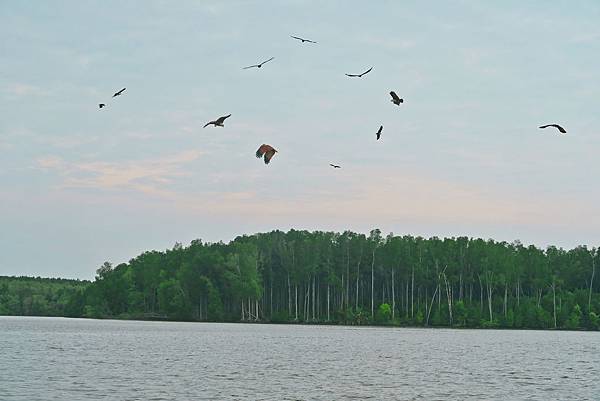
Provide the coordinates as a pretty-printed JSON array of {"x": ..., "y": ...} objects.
[{"x": 77, "y": 359}]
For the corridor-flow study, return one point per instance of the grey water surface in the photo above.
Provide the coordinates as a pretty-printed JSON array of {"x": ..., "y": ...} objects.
[{"x": 79, "y": 359}]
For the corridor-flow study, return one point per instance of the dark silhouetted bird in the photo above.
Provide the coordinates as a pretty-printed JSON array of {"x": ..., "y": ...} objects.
[
  {"x": 360, "y": 75},
  {"x": 558, "y": 127},
  {"x": 258, "y": 65},
  {"x": 119, "y": 93},
  {"x": 101, "y": 105},
  {"x": 378, "y": 133},
  {"x": 218, "y": 122},
  {"x": 267, "y": 151},
  {"x": 334, "y": 165},
  {"x": 395, "y": 99},
  {"x": 302, "y": 39}
]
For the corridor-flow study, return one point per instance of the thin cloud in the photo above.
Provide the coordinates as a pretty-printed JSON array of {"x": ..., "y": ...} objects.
[{"x": 147, "y": 176}]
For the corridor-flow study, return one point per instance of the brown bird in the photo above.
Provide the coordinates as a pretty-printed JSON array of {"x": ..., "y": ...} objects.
[
  {"x": 558, "y": 127},
  {"x": 302, "y": 39},
  {"x": 258, "y": 65},
  {"x": 395, "y": 99},
  {"x": 218, "y": 122},
  {"x": 334, "y": 165},
  {"x": 378, "y": 133},
  {"x": 359, "y": 75},
  {"x": 101, "y": 105},
  {"x": 119, "y": 93},
  {"x": 267, "y": 150}
]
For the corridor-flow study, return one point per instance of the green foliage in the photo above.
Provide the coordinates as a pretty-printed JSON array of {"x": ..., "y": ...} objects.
[
  {"x": 384, "y": 314},
  {"x": 301, "y": 276}
]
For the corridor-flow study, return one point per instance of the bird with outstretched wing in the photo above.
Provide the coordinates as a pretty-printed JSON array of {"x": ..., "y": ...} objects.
[
  {"x": 218, "y": 122},
  {"x": 558, "y": 127},
  {"x": 258, "y": 65},
  {"x": 359, "y": 75},
  {"x": 267, "y": 151},
  {"x": 302, "y": 39},
  {"x": 119, "y": 93},
  {"x": 396, "y": 99},
  {"x": 379, "y": 131}
]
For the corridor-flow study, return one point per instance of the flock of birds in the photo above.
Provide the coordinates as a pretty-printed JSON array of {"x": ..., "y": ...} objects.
[{"x": 266, "y": 152}]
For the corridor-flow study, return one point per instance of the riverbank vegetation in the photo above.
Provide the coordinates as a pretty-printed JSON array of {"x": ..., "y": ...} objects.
[{"x": 347, "y": 278}]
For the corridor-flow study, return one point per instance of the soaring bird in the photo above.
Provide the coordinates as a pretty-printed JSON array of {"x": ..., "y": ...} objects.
[
  {"x": 119, "y": 92},
  {"x": 101, "y": 105},
  {"x": 302, "y": 39},
  {"x": 267, "y": 150},
  {"x": 218, "y": 122},
  {"x": 379, "y": 131},
  {"x": 558, "y": 127},
  {"x": 360, "y": 75},
  {"x": 395, "y": 99},
  {"x": 258, "y": 65},
  {"x": 334, "y": 165}
]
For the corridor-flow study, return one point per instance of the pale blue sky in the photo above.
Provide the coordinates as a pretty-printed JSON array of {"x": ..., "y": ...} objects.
[{"x": 462, "y": 156}]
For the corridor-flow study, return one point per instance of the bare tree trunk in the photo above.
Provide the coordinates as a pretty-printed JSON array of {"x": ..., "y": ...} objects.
[
  {"x": 490, "y": 289},
  {"x": 289, "y": 296},
  {"x": 296, "y": 303},
  {"x": 412, "y": 294},
  {"x": 591, "y": 283},
  {"x": 327, "y": 302},
  {"x": 357, "y": 276},
  {"x": 347, "y": 276},
  {"x": 448, "y": 296},
  {"x": 431, "y": 305},
  {"x": 372, "y": 283},
  {"x": 393, "y": 297},
  {"x": 554, "y": 300},
  {"x": 505, "y": 297}
]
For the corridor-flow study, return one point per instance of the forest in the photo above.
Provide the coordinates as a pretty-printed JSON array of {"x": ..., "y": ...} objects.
[{"x": 333, "y": 278}]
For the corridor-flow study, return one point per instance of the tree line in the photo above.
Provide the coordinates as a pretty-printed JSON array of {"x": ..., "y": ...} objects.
[{"x": 351, "y": 278}]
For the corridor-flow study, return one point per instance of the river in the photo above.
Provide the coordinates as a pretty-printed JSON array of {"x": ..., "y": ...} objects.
[{"x": 80, "y": 359}]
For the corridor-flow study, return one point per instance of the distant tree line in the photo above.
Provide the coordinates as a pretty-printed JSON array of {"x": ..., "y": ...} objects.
[
  {"x": 36, "y": 296},
  {"x": 350, "y": 278}
]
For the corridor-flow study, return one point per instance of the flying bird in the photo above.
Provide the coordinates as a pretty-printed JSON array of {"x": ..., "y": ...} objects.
[
  {"x": 558, "y": 127},
  {"x": 258, "y": 65},
  {"x": 267, "y": 150},
  {"x": 395, "y": 99},
  {"x": 360, "y": 75},
  {"x": 101, "y": 105},
  {"x": 119, "y": 93},
  {"x": 218, "y": 122},
  {"x": 379, "y": 131},
  {"x": 302, "y": 39},
  {"x": 334, "y": 165}
]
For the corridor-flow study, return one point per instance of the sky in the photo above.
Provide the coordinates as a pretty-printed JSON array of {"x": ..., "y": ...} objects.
[{"x": 462, "y": 156}]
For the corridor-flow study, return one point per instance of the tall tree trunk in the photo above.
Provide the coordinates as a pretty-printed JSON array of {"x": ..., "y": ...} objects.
[
  {"x": 393, "y": 297},
  {"x": 289, "y": 296},
  {"x": 591, "y": 282},
  {"x": 372, "y": 282},
  {"x": 328, "y": 302},
  {"x": 554, "y": 300},
  {"x": 296, "y": 303},
  {"x": 412, "y": 294}
]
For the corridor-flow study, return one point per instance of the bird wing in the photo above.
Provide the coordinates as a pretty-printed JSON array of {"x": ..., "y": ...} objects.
[
  {"x": 380, "y": 129},
  {"x": 262, "y": 150},
  {"x": 267, "y": 61},
  {"x": 394, "y": 96},
  {"x": 119, "y": 92},
  {"x": 366, "y": 72},
  {"x": 208, "y": 123},
  {"x": 269, "y": 155},
  {"x": 558, "y": 127},
  {"x": 352, "y": 75},
  {"x": 296, "y": 37},
  {"x": 250, "y": 66},
  {"x": 221, "y": 120}
]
